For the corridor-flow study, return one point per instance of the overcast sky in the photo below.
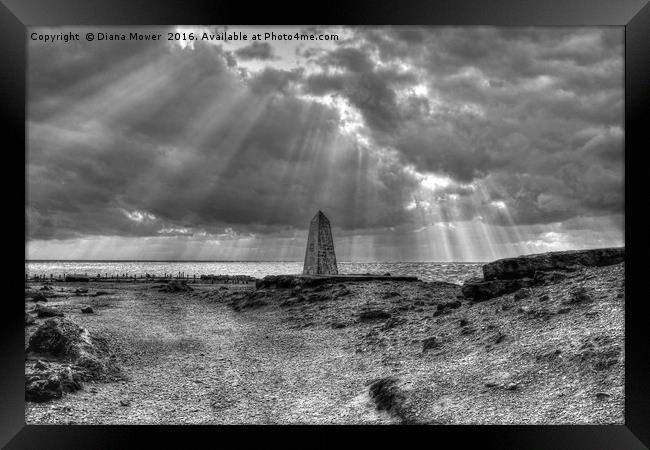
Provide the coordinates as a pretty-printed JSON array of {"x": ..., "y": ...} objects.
[{"x": 419, "y": 144}]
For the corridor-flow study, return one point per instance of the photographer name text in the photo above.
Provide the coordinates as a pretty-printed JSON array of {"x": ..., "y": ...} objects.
[{"x": 176, "y": 36}]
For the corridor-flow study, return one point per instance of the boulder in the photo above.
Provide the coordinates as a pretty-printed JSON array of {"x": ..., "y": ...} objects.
[
  {"x": 43, "y": 389},
  {"x": 579, "y": 294},
  {"x": 57, "y": 337},
  {"x": 429, "y": 343},
  {"x": 446, "y": 306},
  {"x": 341, "y": 292},
  {"x": 388, "y": 396},
  {"x": 526, "y": 266},
  {"x": 87, "y": 310},
  {"x": 392, "y": 323},
  {"x": 176, "y": 286},
  {"x": 522, "y": 293},
  {"x": 45, "y": 382},
  {"x": 38, "y": 297},
  {"x": 44, "y": 311},
  {"x": 479, "y": 290},
  {"x": 373, "y": 314}
]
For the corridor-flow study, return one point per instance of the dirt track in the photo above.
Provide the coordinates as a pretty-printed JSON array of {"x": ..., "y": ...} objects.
[{"x": 192, "y": 361}]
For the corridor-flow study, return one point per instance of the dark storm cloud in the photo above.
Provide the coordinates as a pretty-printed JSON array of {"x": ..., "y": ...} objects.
[
  {"x": 140, "y": 139},
  {"x": 188, "y": 144},
  {"x": 509, "y": 102}
]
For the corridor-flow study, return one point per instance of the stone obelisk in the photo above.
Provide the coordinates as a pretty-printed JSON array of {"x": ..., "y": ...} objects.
[{"x": 319, "y": 257}]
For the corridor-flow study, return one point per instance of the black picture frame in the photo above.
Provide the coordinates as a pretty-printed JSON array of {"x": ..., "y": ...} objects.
[{"x": 634, "y": 15}]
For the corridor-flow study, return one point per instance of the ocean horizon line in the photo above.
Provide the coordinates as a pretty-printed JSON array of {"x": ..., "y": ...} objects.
[{"x": 239, "y": 261}]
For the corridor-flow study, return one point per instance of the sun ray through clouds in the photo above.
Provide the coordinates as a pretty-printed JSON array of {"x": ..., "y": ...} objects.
[{"x": 419, "y": 143}]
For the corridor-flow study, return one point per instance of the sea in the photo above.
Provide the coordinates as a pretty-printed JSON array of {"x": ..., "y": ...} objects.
[{"x": 451, "y": 272}]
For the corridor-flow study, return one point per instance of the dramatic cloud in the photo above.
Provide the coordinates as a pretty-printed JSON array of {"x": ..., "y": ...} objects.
[{"x": 429, "y": 143}]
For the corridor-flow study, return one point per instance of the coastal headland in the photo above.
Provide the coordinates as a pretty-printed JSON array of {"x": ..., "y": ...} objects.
[{"x": 537, "y": 340}]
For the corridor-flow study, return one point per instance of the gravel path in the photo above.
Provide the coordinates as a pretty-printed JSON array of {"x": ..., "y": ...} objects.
[{"x": 192, "y": 361}]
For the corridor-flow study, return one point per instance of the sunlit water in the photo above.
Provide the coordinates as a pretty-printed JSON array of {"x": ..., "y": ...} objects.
[{"x": 426, "y": 271}]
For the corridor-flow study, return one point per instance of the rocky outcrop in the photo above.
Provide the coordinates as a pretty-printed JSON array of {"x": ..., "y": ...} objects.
[
  {"x": 508, "y": 275},
  {"x": 75, "y": 355},
  {"x": 527, "y": 266},
  {"x": 46, "y": 381},
  {"x": 478, "y": 290}
]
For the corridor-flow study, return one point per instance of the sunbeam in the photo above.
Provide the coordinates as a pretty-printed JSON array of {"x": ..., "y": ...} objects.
[{"x": 415, "y": 149}]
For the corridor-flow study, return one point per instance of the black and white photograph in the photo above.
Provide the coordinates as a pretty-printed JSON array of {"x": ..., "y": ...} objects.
[{"x": 325, "y": 225}]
